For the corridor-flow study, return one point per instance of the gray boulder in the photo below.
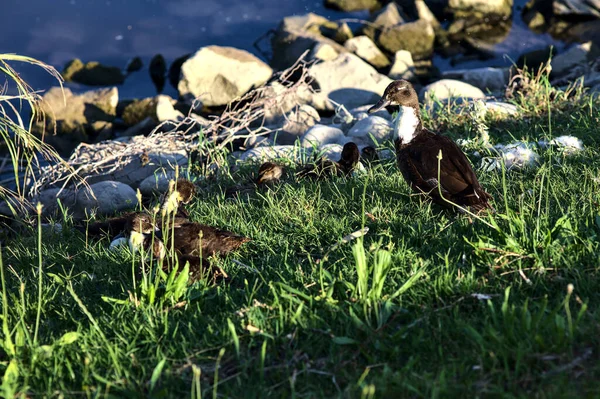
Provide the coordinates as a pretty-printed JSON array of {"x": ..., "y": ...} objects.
[
  {"x": 493, "y": 79},
  {"x": 349, "y": 81},
  {"x": 50, "y": 200},
  {"x": 218, "y": 75},
  {"x": 321, "y": 135},
  {"x": 577, "y": 55},
  {"x": 364, "y": 47},
  {"x": 373, "y": 129},
  {"x": 110, "y": 197},
  {"x": 156, "y": 183}
]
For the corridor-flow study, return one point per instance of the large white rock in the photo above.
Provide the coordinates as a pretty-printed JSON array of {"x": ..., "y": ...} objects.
[
  {"x": 349, "y": 81},
  {"x": 447, "y": 89},
  {"x": 364, "y": 47},
  {"x": 111, "y": 197},
  {"x": 372, "y": 128},
  {"x": 220, "y": 74},
  {"x": 165, "y": 110},
  {"x": 481, "y": 7},
  {"x": 321, "y": 135}
]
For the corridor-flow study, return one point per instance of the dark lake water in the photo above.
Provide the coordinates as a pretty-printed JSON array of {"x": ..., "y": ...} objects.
[{"x": 113, "y": 31}]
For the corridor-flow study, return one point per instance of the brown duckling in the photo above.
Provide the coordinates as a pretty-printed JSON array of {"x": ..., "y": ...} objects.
[
  {"x": 369, "y": 156},
  {"x": 324, "y": 168},
  {"x": 196, "y": 239},
  {"x": 269, "y": 173},
  {"x": 417, "y": 152},
  {"x": 180, "y": 192}
]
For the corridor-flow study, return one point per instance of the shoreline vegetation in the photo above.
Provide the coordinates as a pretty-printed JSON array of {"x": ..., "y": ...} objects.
[{"x": 350, "y": 286}]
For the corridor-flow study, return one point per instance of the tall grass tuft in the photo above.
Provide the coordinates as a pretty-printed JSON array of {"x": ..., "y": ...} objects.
[{"x": 15, "y": 134}]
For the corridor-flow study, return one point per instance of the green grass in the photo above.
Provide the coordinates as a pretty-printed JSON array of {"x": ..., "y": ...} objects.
[{"x": 390, "y": 315}]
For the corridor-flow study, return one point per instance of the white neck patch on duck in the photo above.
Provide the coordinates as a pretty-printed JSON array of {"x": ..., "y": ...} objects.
[{"x": 406, "y": 124}]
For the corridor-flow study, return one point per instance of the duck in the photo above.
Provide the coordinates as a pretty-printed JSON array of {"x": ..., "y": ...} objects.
[
  {"x": 138, "y": 229},
  {"x": 269, "y": 174},
  {"x": 324, "y": 168},
  {"x": 417, "y": 150}
]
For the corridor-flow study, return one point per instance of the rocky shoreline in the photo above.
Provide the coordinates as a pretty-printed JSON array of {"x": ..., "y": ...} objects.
[{"x": 318, "y": 107}]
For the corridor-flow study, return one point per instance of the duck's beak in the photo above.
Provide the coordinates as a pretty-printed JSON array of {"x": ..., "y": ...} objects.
[{"x": 381, "y": 104}]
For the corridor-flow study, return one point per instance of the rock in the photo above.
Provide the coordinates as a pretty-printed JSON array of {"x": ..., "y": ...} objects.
[
  {"x": 533, "y": 59},
  {"x": 568, "y": 145},
  {"x": 590, "y": 8},
  {"x": 480, "y": 8},
  {"x": 296, "y": 123},
  {"x": 165, "y": 110},
  {"x": 372, "y": 129},
  {"x": 385, "y": 18},
  {"x": 134, "y": 65},
  {"x": 72, "y": 119},
  {"x": 269, "y": 153},
  {"x": 143, "y": 128},
  {"x": 576, "y": 55},
  {"x": 351, "y": 5},
  {"x": 174, "y": 73},
  {"x": 50, "y": 200},
  {"x": 332, "y": 152},
  {"x": 220, "y": 74},
  {"x": 284, "y": 100},
  {"x": 321, "y": 135},
  {"x": 403, "y": 66},
  {"x": 349, "y": 81},
  {"x": 158, "y": 71},
  {"x": 323, "y": 52},
  {"x": 368, "y": 51},
  {"x": 111, "y": 197},
  {"x": 362, "y": 112},
  {"x": 338, "y": 33},
  {"x": 157, "y": 183},
  {"x": 296, "y": 34},
  {"x": 416, "y": 37},
  {"x": 493, "y": 79},
  {"x": 93, "y": 73},
  {"x": 501, "y": 108},
  {"x": 446, "y": 89},
  {"x": 138, "y": 110}
]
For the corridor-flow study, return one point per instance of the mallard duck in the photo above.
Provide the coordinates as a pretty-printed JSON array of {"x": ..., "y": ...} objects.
[
  {"x": 324, "y": 168},
  {"x": 417, "y": 152}
]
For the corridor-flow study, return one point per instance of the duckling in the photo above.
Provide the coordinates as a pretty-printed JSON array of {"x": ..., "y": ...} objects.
[
  {"x": 180, "y": 192},
  {"x": 324, "y": 168},
  {"x": 269, "y": 173},
  {"x": 369, "y": 156},
  {"x": 138, "y": 229},
  {"x": 202, "y": 240},
  {"x": 417, "y": 155}
]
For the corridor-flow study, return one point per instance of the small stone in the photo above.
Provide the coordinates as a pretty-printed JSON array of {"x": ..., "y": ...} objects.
[
  {"x": 323, "y": 52},
  {"x": 493, "y": 79},
  {"x": 138, "y": 110},
  {"x": 373, "y": 129},
  {"x": 296, "y": 123},
  {"x": 385, "y": 18},
  {"x": 403, "y": 66},
  {"x": 501, "y": 108},
  {"x": 165, "y": 110},
  {"x": 416, "y": 37},
  {"x": 289, "y": 152},
  {"x": 368, "y": 51},
  {"x": 156, "y": 183},
  {"x": 321, "y": 135},
  {"x": 134, "y": 65}
]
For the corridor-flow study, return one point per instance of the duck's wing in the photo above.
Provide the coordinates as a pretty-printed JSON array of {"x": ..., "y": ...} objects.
[
  {"x": 110, "y": 227},
  {"x": 198, "y": 239}
]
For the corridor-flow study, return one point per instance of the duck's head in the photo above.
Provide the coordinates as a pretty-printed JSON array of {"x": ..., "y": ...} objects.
[
  {"x": 369, "y": 154},
  {"x": 140, "y": 223},
  {"x": 269, "y": 172},
  {"x": 399, "y": 92},
  {"x": 185, "y": 190},
  {"x": 350, "y": 154}
]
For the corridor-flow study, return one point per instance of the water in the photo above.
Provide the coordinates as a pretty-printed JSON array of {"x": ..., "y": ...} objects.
[{"x": 114, "y": 31}]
